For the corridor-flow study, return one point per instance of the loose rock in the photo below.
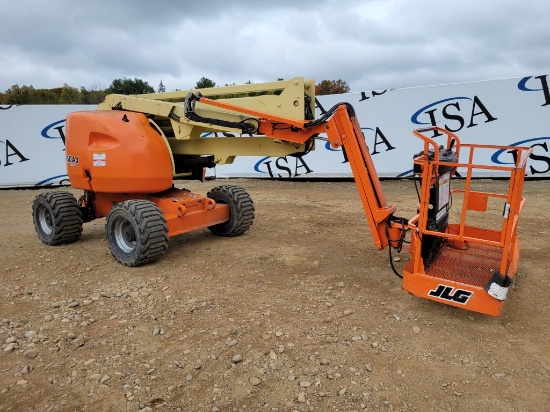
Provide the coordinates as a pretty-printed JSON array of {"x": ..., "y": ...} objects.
[
  {"x": 31, "y": 353},
  {"x": 255, "y": 381}
]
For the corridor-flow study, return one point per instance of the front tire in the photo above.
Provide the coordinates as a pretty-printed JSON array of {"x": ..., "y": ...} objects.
[
  {"x": 57, "y": 218},
  {"x": 136, "y": 232},
  {"x": 241, "y": 210}
]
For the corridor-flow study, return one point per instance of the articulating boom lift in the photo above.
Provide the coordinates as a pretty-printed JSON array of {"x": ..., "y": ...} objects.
[{"x": 126, "y": 154}]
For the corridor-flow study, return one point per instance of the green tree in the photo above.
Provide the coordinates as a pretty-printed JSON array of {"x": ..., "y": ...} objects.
[
  {"x": 84, "y": 95},
  {"x": 92, "y": 96},
  {"x": 70, "y": 95},
  {"x": 161, "y": 88},
  {"x": 97, "y": 93},
  {"x": 129, "y": 86},
  {"x": 19, "y": 95},
  {"x": 204, "y": 82},
  {"x": 331, "y": 87},
  {"x": 47, "y": 96}
]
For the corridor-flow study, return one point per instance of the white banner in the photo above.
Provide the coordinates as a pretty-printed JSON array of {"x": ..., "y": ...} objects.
[
  {"x": 507, "y": 112},
  {"x": 500, "y": 112},
  {"x": 32, "y": 144}
]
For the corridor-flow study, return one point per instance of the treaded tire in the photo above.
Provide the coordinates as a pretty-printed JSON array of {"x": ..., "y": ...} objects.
[
  {"x": 241, "y": 210},
  {"x": 136, "y": 232},
  {"x": 57, "y": 218}
]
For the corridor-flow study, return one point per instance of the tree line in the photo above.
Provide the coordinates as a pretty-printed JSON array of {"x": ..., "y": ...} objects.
[{"x": 17, "y": 95}]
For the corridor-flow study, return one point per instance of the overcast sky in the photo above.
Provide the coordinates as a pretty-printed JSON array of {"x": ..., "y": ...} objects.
[{"x": 372, "y": 45}]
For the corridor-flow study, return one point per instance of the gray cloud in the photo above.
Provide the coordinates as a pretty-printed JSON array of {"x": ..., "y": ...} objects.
[{"x": 370, "y": 44}]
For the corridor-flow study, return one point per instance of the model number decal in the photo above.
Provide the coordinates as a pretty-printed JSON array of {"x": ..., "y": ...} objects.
[
  {"x": 451, "y": 294},
  {"x": 72, "y": 160}
]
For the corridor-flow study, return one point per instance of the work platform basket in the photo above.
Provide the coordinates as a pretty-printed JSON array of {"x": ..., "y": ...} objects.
[{"x": 472, "y": 254}]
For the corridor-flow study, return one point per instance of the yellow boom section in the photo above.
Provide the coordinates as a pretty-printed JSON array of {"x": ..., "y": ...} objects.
[{"x": 291, "y": 99}]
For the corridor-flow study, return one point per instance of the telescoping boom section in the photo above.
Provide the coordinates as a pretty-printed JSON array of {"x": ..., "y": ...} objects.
[{"x": 126, "y": 154}]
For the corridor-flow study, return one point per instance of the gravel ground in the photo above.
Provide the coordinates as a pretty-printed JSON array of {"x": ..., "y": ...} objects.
[{"x": 301, "y": 313}]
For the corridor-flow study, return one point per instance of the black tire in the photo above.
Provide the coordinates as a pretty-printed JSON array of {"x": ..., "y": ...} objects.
[
  {"x": 136, "y": 232},
  {"x": 241, "y": 210},
  {"x": 57, "y": 218}
]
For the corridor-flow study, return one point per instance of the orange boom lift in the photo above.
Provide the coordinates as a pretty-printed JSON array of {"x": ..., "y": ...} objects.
[{"x": 126, "y": 155}]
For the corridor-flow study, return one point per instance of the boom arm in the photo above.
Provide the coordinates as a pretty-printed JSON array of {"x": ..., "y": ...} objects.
[
  {"x": 292, "y": 99},
  {"x": 343, "y": 130}
]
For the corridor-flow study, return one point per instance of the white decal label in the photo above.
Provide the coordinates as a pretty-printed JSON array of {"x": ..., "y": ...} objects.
[
  {"x": 444, "y": 190},
  {"x": 99, "y": 159}
]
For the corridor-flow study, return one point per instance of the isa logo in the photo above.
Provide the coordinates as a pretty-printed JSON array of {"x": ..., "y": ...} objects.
[
  {"x": 285, "y": 167},
  {"x": 59, "y": 180},
  {"x": 374, "y": 138},
  {"x": 9, "y": 152},
  {"x": 538, "y": 84},
  {"x": 539, "y": 159},
  {"x": 55, "y": 130},
  {"x": 453, "y": 113}
]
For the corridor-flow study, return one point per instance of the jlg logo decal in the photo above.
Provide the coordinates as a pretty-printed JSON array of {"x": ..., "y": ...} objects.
[{"x": 451, "y": 294}]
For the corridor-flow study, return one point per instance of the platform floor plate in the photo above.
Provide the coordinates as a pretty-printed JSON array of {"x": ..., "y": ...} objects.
[{"x": 473, "y": 266}]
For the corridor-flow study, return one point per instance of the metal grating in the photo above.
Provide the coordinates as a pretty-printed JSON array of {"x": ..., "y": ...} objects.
[{"x": 473, "y": 266}]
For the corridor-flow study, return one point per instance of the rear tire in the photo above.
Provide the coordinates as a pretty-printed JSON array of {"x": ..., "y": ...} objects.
[
  {"x": 57, "y": 218},
  {"x": 241, "y": 210},
  {"x": 136, "y": 232}
]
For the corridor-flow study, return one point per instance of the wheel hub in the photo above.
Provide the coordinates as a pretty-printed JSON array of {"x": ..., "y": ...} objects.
[
  {"x": 125, "y": 236},
  {"x": 130, "y": 234},
  {"x": 46, "y": 221}
]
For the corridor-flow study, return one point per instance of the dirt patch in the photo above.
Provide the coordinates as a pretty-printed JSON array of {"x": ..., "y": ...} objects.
[{"x": 300, "y": 313}]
